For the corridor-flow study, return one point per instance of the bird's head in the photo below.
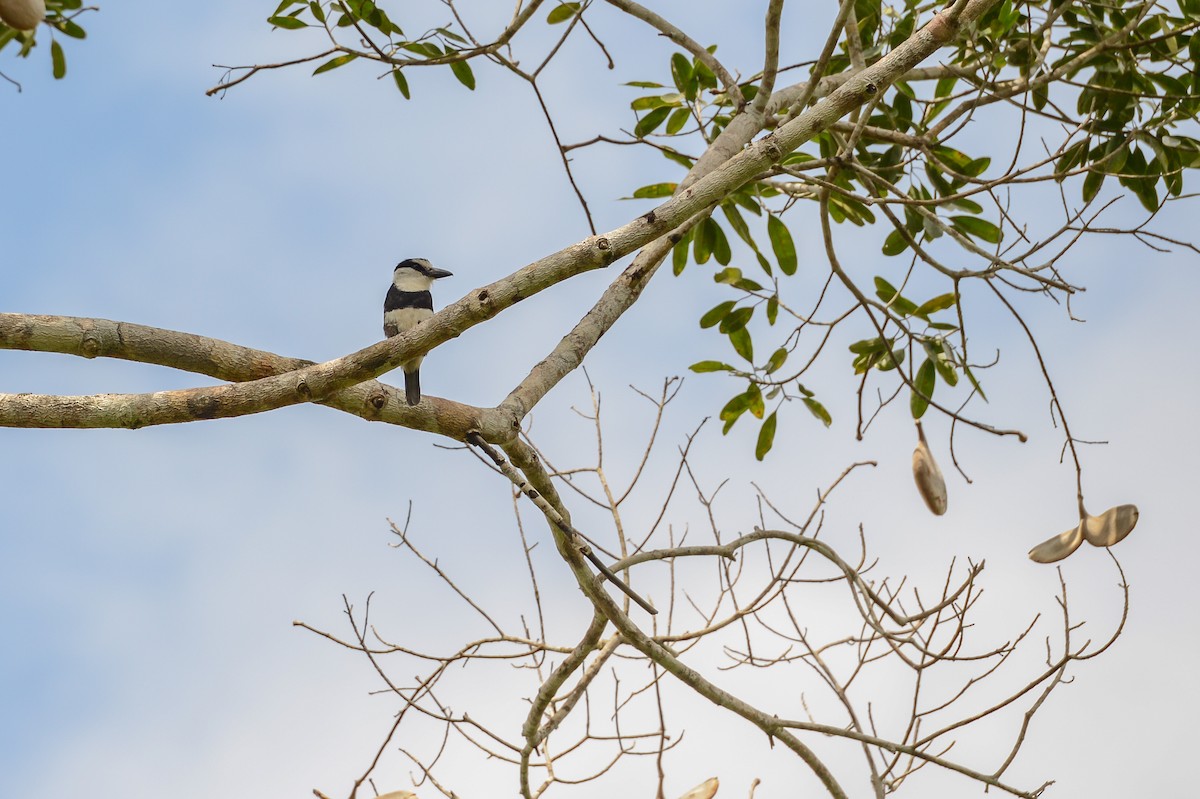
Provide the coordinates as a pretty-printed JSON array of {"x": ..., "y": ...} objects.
[{"x": 416, "y": 274}]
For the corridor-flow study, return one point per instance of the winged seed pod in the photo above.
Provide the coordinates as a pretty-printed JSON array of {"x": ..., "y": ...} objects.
[
  {"x": 1111, "y": 526},
  {"x": 1102, "y": 531},
  {"x": 705, "y": 790},
  {"x": 930, "y": 483},
  {"x": 1059, "y": 546},
  {"x": 23, "y": 15}
]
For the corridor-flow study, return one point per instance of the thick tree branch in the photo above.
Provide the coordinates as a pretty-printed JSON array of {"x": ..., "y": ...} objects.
[
  {"x": 316, "y": 382},
  {"x": 101, "y": 338}
]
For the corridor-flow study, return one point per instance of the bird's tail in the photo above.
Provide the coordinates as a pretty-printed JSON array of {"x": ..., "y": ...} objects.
[{"x": 412, "y": 387}]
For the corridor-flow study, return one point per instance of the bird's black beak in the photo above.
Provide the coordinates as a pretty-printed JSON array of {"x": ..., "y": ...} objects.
[{"x": 436, "y": 273}]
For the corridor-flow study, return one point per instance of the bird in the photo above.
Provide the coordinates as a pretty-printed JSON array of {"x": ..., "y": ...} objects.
[{"x": 408, "y": 303}]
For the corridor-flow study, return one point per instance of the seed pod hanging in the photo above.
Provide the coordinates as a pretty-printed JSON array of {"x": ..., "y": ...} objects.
[
  {"x": 928, "y": 477},
  {"x": 1102, "y": 531},
  {"x": 23, "y": 15},
  {"x": 705, "y": 790},
  {"x": 1059, "y": 546},
  {"x": 1111, "y": 526}
]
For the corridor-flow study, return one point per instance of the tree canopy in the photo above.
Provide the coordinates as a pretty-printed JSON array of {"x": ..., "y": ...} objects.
[{"x": 945, "y": 162}]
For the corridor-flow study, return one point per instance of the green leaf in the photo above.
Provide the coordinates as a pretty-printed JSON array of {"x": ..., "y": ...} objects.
[
  {"x": 655, "y": 191},
  {"x": 562, "y": 13},
  {"x": 772, "y": 309},
  {"x": 401, "y": 83},
  {"x": 677, "y": 120},
  {"x": 776, "y": 360},
  {"x": 289, "y": 23},
  {"x": 898, "y": 302},
  {"x": 977, "y": 227},
  {"x": 818, "y": 410},
  {"x": 334, "y": 63},
  {"x": 735, "y": 320},
  {"x": 737, "y": 223},
  {"x": 938, "y": 303},
  {"x": 782, "y": 244},
  {"x": 717, "y": 313},
  {"x": 679, "y": 253},
  {"x": 1092, "y": 184},
  {"x": 317, "y": 12},
  {"x": 946, "y": 369},
  {"x": 734, "y": 409},
  {"x": 462, "y": 71},
  {"x": 975, "y": 383},
  {"x": 766, "y": 437},
  {"x": 742, "y": 345},
  {"x": 681, "y": 71},
  {"x": 923, "y": 384},
  {"x": 890, "y": 360},
  {"x": 869, "y": 345},
  {"x": 703, "y": 243},
  {"x": 58, "y": 59},
  {"x": 647, "y": 124},
  {"x": 895, "y": 243},
  {"x": 710, "y": 366},
  {"x": 71, "y": 29},
  {"x": 720, "y": 244},
  {"x": 755, "y": 403}
]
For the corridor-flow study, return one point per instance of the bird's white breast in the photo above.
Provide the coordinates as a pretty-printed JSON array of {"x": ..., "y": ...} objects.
[{"x": 404, "y": 318}]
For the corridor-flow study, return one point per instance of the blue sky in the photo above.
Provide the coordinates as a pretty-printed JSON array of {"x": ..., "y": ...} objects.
[{"x": 148, "y": 580}]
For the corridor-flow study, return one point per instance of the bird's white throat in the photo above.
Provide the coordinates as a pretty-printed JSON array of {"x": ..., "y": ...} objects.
[{"x": 411, "y": 280}]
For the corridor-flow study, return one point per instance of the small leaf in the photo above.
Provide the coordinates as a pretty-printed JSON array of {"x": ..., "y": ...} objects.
[
  {"x": 462, "y": 71},
  {"x": 655, "y": 191},
  {"x": 289, "y": 23},
  {"x": 677, "y": 120},
  {"x": 923, "y": 385},
  {"x": 818, "y": 410},
  {"x": 72, "y": 29},
  {"x": 681, "y": 71},
  {"x": 938, "y": 303},
  {"x": 735, "y": 320},
  {"x": 716, "y": 313},
  {"x": 766, "y": 437},
  {"x": 647, "y": 124},
  {"x": 740, "y": 339},
  {"x": 733, "y": 409},
  {"x": 772, "y": 309},
  {"x": 974, "y": 383},
  {"x": 562, "y": 13},
  {"x": 703, "y": 243},
  {"x": 782, "y": 244},
  {"x": 401, "y": 83},
  {"x": 737, "y": 223},
  {"x": 868, "y": 345},
  {"x": 710, "y": 366},
  {"x": 334, "y": 63},
  {"x": 720, "y": 248},
  {"x": 1092, "y": 184},
  {"x": 755, "y": 404},
  {"x": 58, "y": 59},
  {"x": 977, "y": 227},
  {"x": 776, "y": 360},
  {"x": 679, "y": 253},
  {"x": 895, "y": 243}
]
